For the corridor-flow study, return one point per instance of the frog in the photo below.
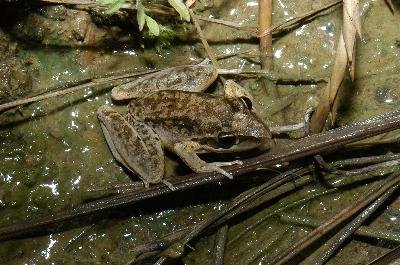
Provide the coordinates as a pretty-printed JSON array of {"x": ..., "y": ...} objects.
[{"x": 185, "y": 122}]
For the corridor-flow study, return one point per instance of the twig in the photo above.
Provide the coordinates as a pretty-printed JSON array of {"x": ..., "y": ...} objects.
[
  {"x": 89, "y": 83},
  {"x": 71, "y": 2},
  {"x": 357, "y": 171},
  {"x": 209, "y": 52},
  {"x": 85, "y": 4},
  {"x": 323, "y": 142},
  {"x": 123, "y": 78},
  {"x": 330, "y": 92},
  {"x": 298, "y": 20},
  {"x": 247, "y": 196},
  {"x": 254, "y": 199},
  {"x": 250, "y": 200},
  {"x": 264, "y": 23},
  {"x": 344, "y": 57},
  {"x": 363, "y": 200},
  {"x": 390, "y": 5},
  {"x": 219, "y": 250},
  {"x": 364, "y": 231},
  {"x": 281, "y": 27},
  {"x": 275, "y": 210},
  {"x": 230, "y": 24},
  {"x": 392, "y": 258},
  {"x": 266, "y": 52},
  {"x": 365, "y": 160},
  {"x": 328, "y": 249}
]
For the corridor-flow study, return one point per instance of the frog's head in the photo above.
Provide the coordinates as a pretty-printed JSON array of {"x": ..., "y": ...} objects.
[{"x": 246, "y": 131}]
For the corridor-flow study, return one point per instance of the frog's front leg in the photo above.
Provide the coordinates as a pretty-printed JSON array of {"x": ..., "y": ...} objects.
[
  {"x": 234, "y": 90},
  {"x": 133, "y": 144},
  {"x": 187, "y": 152}
]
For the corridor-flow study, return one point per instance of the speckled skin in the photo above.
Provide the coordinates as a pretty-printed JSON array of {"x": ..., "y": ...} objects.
[
  {"x": 186, "y": 123},
  {"x": 178, "y": 116},
  {"x": 194, "y": 78}
]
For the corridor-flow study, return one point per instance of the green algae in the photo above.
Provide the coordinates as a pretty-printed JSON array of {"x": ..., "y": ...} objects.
[{"x": 53, "y": 152}]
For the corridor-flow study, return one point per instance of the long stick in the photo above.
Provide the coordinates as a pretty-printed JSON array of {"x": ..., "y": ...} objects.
[
  {"x": 363, "y": 200},
  {"x": 308, "y": 146}
]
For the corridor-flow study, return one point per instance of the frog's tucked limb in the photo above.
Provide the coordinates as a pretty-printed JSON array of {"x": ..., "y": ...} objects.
[
  {"x": 133, "y": 144},
  {"x": 234, "y": 90},
  {"x": 188, "y": 150},
  {"x": 194, "y": 78}
]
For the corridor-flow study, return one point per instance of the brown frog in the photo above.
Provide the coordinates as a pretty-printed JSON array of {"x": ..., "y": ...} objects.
[{"x": 184, "y": 122}]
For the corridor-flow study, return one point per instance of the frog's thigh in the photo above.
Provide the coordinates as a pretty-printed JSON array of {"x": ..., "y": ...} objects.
[
  {"x": 187, "y": 152},
  {"x": 133, "y": 144}
]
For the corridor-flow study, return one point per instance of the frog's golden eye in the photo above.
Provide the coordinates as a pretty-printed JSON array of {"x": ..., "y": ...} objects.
[
  {"x": 226, "y": 140},
  {"x": 247, "y": 102}
]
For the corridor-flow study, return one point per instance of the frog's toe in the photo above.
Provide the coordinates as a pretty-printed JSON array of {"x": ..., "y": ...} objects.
[
  {"x": 216, "y": 167},
  {"x": 168, "y": 184},
  {"x": 235, "y": 162},
  {"x": 228, "y": 163},
  {"x": 146, "y": 184},
  {"x": 223, "y": 172}
]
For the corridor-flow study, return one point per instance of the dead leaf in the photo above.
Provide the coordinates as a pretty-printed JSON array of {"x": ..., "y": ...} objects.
[
  {"x": 351, "y": 26},
  {"x": 329, "y": 94}
]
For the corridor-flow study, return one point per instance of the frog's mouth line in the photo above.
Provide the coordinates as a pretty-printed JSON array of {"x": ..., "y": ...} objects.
[{"x": 212, "y": 145}]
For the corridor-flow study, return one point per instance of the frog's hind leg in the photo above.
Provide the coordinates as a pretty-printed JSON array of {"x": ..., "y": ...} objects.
[
  {"x": 187, "y": 152},
  {"x": 133, "y": 144}
]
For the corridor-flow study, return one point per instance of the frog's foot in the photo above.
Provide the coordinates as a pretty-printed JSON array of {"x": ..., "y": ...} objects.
[
  {"x": 287, "y": 128},
  {"x": 187, "y": 152},
  {"x": 169, "y": 185},
  {"x": 146, "y": 184},
  {"x": 216, "y": 167}
]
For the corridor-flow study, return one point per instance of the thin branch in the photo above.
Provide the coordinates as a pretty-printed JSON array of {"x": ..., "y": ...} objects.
[
  {"x": 308, "y": 146},
  {"x": 85, "y": 4},
  {"x": 220, "y": 242},
  {"x": 392, "y": 257},
  {"x": 264, "y": 23},
  {"x": 298, "y": 20},
  {"x": 207, "y": 47},
  {"x": 366, "y": 198},
  {"x": 327, "y": 250},
  {"x": 88, "y": 84},
  {"x": 365, "y": 231}
]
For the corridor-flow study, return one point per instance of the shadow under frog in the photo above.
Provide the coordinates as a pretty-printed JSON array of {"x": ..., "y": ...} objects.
[{"x": 169, "y": 111}]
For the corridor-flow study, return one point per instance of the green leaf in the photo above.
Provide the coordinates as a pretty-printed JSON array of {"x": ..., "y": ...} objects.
[
  {"x": 153, "y": 26},
  {"x": 141, "y": 16},
  {"x": 106, "y": 2},
  {"x": 181, "y": 8},
  {"x": 114, "y": 6}
]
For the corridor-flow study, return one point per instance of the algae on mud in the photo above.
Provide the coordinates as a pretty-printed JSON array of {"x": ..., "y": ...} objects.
[{"x": 53, "y": 152}]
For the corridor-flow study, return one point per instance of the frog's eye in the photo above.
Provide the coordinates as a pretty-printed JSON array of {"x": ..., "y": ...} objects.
[
  {"x": 247, "y": 102},
  {"x": 226, "y": 140}
]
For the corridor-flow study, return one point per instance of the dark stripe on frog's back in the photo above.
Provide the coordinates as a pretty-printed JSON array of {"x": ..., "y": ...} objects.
[
  {"x": 195, "y": 78},
  {"x": 185, "y": 113}
]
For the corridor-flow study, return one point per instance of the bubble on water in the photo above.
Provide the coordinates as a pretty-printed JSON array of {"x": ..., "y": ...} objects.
[{"x": 386, "y": 95}]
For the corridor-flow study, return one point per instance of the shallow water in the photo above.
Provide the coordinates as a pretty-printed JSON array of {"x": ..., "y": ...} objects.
[{"x": 54, "y": 155}]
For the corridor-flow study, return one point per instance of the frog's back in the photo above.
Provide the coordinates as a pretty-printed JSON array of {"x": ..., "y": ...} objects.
[{"x": 181, "y": 114}]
